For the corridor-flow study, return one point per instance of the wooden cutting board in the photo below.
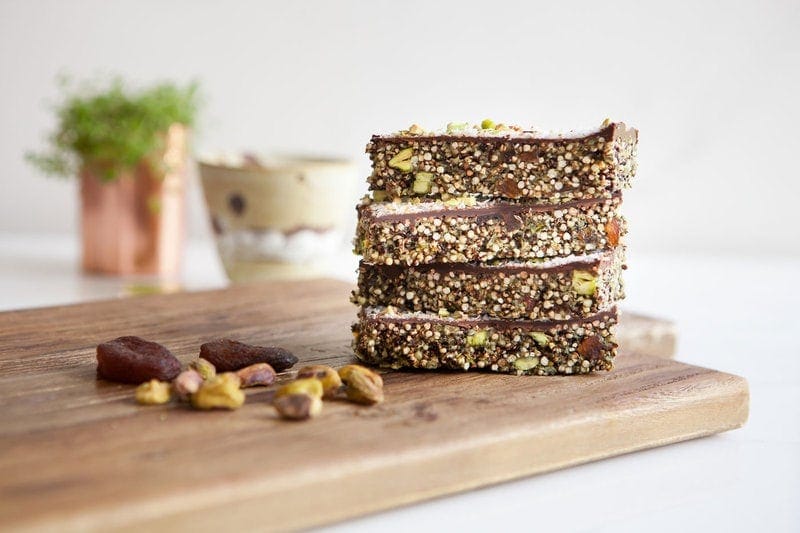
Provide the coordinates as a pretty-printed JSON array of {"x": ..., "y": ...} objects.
[{"x": 79, "y": 454}]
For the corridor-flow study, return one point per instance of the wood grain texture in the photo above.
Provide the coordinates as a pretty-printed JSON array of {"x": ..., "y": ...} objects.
[{"x": 78, "y": 454}]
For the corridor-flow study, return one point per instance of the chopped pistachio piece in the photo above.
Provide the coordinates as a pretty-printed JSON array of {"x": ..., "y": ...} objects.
[
  {"x": 487, "y": 124},
  {"x": 540, "y": 338},
  {"x": 526, "y": 363},
  {"x": 453, "y": 127},
  {"x": 402, "y": 161},
  {"x": 379, "y": 195},
  {"x": 584, "y": 282},
  {"x": 310, "y": 386},
  {"x": 422, "y": 182},
  {"x": 153, "y": 392},
  {"x": 222, "y": 391},
  {"x": 478, "y": 338},
  {"x": 461, "y": 200}
]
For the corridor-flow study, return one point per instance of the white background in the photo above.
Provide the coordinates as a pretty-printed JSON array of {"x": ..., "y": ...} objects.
[
  {"x": 714, "y": 245},
  {"x": 712, "y": 86}
]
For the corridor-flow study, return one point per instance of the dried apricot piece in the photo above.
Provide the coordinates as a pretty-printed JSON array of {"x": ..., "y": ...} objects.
[
  {"x": 135, "y": 360},
  {"x": 228, "y": 355}
]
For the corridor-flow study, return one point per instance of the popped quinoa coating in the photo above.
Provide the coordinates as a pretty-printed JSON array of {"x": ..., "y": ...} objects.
[
  {"x": 516, "y": 165},
  {"x": 555, "y": 290},
  {"x": 382, "y": 337},
  {"x": 485, "y": 232}
]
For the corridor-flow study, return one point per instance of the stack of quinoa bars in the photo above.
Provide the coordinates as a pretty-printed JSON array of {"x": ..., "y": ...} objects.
[{"x": 494, "y": 248}]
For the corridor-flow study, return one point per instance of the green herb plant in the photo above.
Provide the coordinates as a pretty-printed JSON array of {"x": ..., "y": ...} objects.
[{"x": 110, "y": 129}]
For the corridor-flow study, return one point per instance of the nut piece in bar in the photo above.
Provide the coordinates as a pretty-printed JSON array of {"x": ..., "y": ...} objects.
[
  {"x": 135, "y": 360},
  {"x": 229, "y": 355}
]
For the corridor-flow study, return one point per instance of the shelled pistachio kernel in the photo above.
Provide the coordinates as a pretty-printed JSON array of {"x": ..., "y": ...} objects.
[
  {"x": 205, "y": 368},
  {"x": 461, "y": 200},
  {"x": 362, "y": 384},
  {"x": 584, "y": 283},
  {"x": 526, "y": 363},
  {"x": 478, "y": 338},
  {"x": 310, "y": 386},
  {"x": 187, "y": 383},
  {"x": 298, "y": 406},
  {"x": 487, "y": 124},
  {"x": 540, "y": 338},
  {"x": 257, "y": 375},
  {"x": 348, "y": 370},
  {"x": 402, "y": 160},
  {"x": 422, "y": 182},
  {"x": 299, "y": 399},
  {"x": 331, "y": 382},
  {"x": 219, "y": 392},
  {"x": 153, "y": 392},
  {"x": 379, "y": 195},
  {"x": 453, "y": 127}
]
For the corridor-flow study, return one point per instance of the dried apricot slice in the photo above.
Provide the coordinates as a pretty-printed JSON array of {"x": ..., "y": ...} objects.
[{"x": 135, "y": 360}]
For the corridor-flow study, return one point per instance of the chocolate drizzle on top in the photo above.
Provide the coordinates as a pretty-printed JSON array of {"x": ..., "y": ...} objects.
[{"x": 615, "y": 130}]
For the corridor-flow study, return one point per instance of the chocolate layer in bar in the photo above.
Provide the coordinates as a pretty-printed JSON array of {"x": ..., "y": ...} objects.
[
  {"x": 557, "y": 289},
  {"x": 435, "y": 232},
  {"x": 385, "y": 338},
  {"x": 508, "y": 164}
]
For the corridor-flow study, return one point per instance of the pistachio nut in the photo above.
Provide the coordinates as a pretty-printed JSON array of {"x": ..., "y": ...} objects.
[
  {"x": 204, "y": 368},
  {"x": 402, "y": 160},
  {"x": 331, "y": 382},
  {"x": 362, "y": 384},
  {"x": 153, "y": 392},
  {"x": 584, "y": 283},
  {"x": 299, "y": 406},
  {"x": 310, "y": 386},
  {"x": 422, "y": 183},
  {"x": 219, "y": 392}
]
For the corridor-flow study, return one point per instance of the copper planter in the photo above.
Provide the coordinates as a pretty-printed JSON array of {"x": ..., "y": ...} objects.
[{"x": 134, "y": 225}]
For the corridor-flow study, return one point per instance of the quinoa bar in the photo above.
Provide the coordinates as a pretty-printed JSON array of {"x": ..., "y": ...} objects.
[
  {"x": 502, "y": 162},
  {"x": 556, "y": 289},
  {"x": 386, "y": 338},
  {"x": 464, "y": 230}
]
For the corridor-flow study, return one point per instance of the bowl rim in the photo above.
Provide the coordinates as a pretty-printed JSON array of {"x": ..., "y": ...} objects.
[{"x": 272, "y": 161}]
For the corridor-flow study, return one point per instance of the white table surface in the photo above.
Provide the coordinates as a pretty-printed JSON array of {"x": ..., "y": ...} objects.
[{"x": 734, "y": 314}]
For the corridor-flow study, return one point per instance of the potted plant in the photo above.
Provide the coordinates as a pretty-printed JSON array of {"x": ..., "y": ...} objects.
[{"x": 129, "y": 148}]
